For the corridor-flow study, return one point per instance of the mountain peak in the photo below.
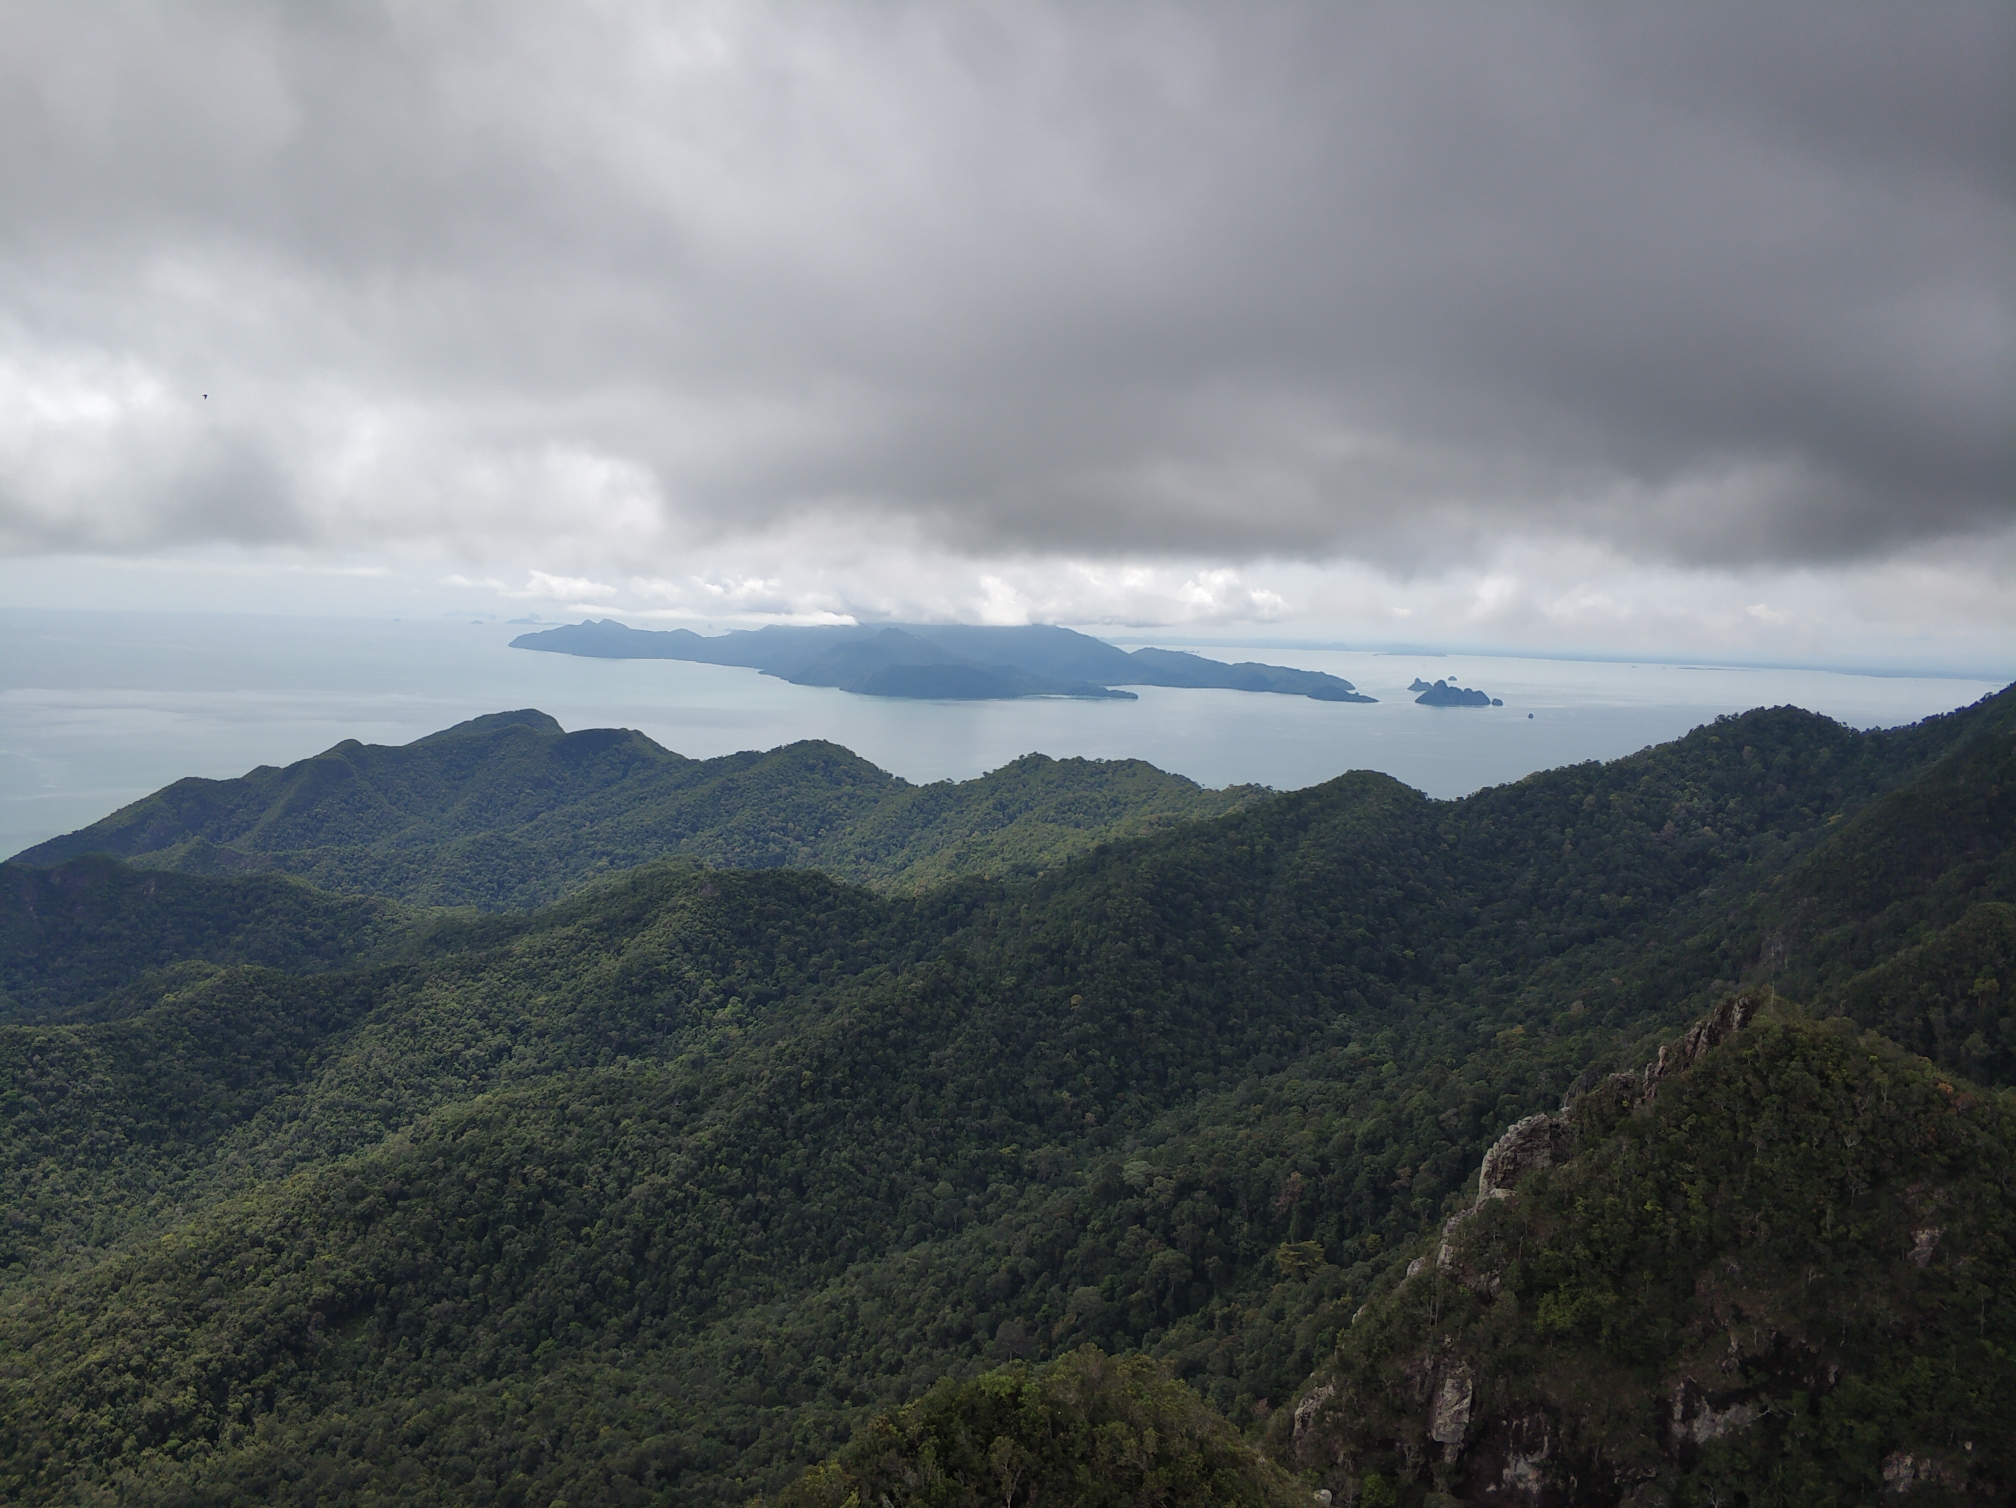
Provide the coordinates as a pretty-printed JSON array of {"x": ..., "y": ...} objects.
[{"x": 524, "y": 717}]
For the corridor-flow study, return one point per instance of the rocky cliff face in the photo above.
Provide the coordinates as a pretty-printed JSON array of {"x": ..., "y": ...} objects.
[
  {"x": 1629, "y": 1311},
  {"x": 1532, "y": 1144},
  {"x": 1540, "y": 1141},
  {"x": 1711, "y": 1031}
]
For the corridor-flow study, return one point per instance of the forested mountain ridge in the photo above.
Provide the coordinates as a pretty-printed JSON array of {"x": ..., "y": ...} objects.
[
  {"x": 1775, "y": 1270},
  {"x": 508, "y": 811},
  {"x": 654, "y": 1195},
  {"x": 1899, "y": 913}
]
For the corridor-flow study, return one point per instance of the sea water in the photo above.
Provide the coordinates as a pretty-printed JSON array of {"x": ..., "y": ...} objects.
[{"x": 97, "y": 709}]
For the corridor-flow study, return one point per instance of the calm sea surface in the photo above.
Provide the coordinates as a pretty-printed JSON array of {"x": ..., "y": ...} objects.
[{"x": 98, "y": 709}]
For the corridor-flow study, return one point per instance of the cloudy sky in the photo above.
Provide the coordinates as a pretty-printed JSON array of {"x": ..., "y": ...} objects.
[{"x": 1687, "y": 330}]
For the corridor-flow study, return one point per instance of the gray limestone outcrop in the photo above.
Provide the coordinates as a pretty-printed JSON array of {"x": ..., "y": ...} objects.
[
  {"x": 1712, "y": 1030},
  {"x": 1537, "y": 1142},
  {"x": 1507, "y": 1451}
]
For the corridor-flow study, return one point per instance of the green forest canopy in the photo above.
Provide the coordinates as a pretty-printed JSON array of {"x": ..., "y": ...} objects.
[
  {"x": 659, "y": 1193},
  {"x": 508, "y": 811}
]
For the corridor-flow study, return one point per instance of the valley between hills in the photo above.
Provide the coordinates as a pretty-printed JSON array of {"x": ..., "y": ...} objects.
[{"x": 530, "y": 1118}]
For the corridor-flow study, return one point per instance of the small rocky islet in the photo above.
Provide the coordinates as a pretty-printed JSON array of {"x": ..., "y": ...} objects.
[{"x": 1446, "y": 694}]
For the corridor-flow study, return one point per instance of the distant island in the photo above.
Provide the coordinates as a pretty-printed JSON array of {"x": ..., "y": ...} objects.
[
  {"x": 940, "y": 661},
  {"x": 1442, "y": 694}
]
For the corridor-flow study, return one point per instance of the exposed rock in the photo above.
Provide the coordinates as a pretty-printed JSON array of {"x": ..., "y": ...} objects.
[
  {"x": 1523, "y": 1466},
  {"x": 1923, "y": 1244},
  {"x": 1902, "y": 1473},
  {"x": 1712, "y": 1030},
  {"x": 1446, "y": 1250},
  {"x": 1534, "y": 1143},
  {"x": 1622, "y": 1089},
  {"x": 1478, "y": 1280},
  {"x": 1510, "y": 1463},
  {"x": 1452, "y": 1409},
  {"x": 1524, "y": 1475},
  {"x": 1696, "y": 1420},
  {"x": 1306, "y": 1410},
  {"x": 1541, "y": 1141}
]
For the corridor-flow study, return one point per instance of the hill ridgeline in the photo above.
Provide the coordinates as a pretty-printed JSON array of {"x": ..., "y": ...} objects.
[
  {"x": 705, "y": 1183},
  {"x": 508, "y": 811}
]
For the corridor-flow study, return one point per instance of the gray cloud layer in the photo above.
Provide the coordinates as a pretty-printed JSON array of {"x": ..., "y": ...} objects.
[{"x": 1709, "y": 285}]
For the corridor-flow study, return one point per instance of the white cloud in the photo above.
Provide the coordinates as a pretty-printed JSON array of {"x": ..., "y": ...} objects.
[
  {"x": 542, "y": 584},
  {"x": 1535, "y": 324},
  {"x": 1944, "y": 607}
]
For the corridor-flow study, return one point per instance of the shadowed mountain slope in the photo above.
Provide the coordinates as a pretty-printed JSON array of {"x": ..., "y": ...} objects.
[{"x": 80, "y": 931}]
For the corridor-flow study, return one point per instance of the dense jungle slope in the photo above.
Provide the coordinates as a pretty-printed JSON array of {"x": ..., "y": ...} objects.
[
  {"x": 1087, "y": 1430},
  {"x": 508, "y": 811},
  {"x": 77, "y": 933},
  {"x": 1775, "y": 1270},
  {"x": 655, "y": 1195}
]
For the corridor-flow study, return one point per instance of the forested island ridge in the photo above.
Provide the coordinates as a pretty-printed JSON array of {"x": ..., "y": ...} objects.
[{"x": 940, "y": 660}]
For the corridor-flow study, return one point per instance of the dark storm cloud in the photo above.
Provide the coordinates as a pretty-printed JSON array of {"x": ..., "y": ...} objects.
[{"x": 1708, "y": 284}]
